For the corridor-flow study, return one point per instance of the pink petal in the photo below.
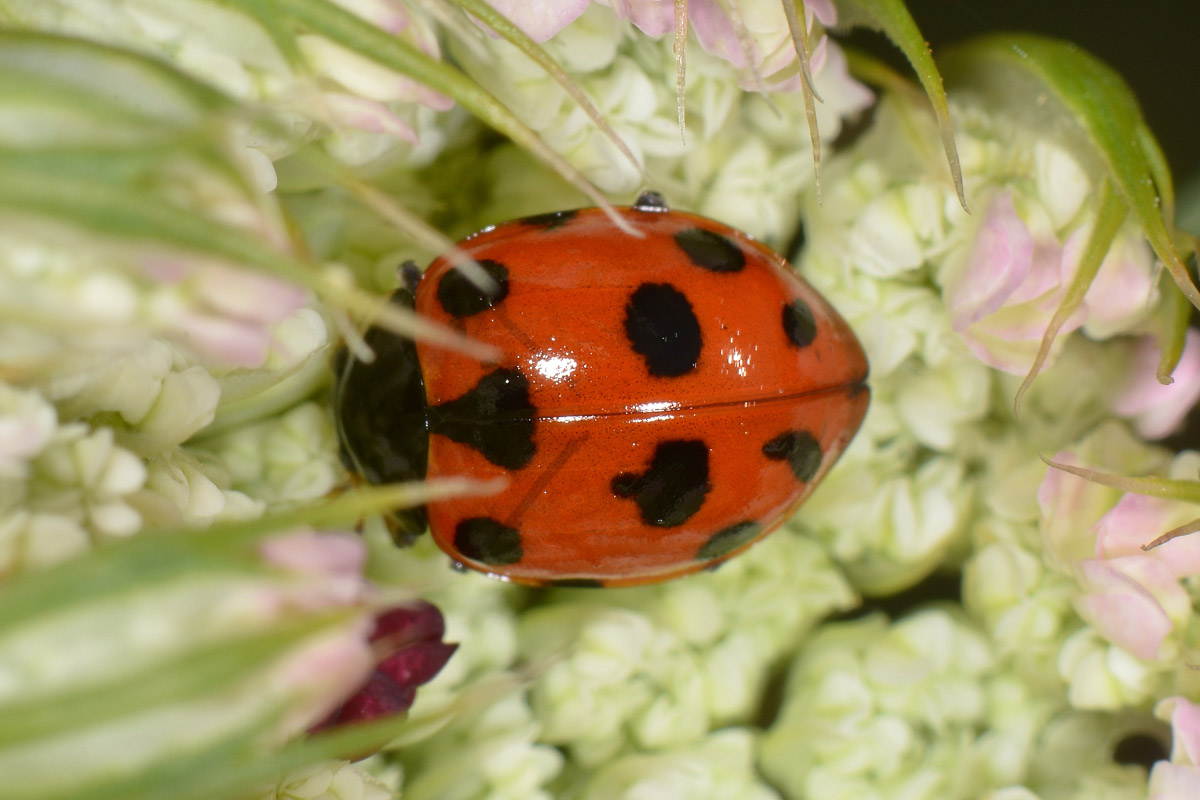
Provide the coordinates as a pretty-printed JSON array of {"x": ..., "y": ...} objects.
[
  {"x": 1046, "y": 269},
  {"x": 540, "y": 19},
  {"x": 247, "y": 295},
  {"x": 998, "y": 353},
  {"x": 823, "y": 10},
  {"x": 1160, "y": 410},
  {"x": 1174, "y": 782},
  {"x": 424, "y": 95},
  {"x": 714, "y": 30},
  {"x": 1123, "y": 611},
  {"x": 352, "y": 111},
  {"x": 999, "y": 263},
  {"x": 166, "y": 269},
  {"x": 652, "y": 17},
  {"x": 229, "y": 342},
  {"x": 1136, "y": 520},
  {"x": 1123, "y": 287},
  {"x": 313, "y": 553},
  {"x": 330, "y": 565},
  {"x": 783, "y": 57},
  {"x": 389, "y": 16},
  {"x": 331, "y": 666},
  {"x": 1060, "y": 493},
  {"x": 21, "y": 437},
  {"x": 1158, "y": 577},
  {"x": 1132, "y": 522},
  {"x": 1185, "y": 728}
]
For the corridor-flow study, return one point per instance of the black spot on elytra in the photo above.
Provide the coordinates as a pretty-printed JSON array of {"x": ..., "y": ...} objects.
[
  {"x": 800, "y": 449},
  {"x": 673, "y": 488},
  {"x": 799, "y": 323},
  {"x": 663, "y": 329},
  {"x": 487, "y": 541},
  {"x": 459, "y": 295},
  {"x": 550, "y": 221},
  {"x": 726, "y": 540},
  {"x": 711, "y": 251},
  {"x": 577, "y": 583},
  {"x": 495, "y": 418}
]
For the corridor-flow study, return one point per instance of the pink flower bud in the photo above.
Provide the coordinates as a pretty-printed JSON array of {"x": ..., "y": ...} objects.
[
  {"x": 1158, "y": 410},
  {"x": 540, "y": 19},
  {"x": 1179, "y": 778},
  {"x": 1134, "y": 597}
]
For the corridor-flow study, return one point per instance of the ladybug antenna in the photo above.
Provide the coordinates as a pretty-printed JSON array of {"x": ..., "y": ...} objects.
[{"x": 343, "y": 362}]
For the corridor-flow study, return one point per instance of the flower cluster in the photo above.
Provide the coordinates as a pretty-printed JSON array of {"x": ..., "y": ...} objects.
[
  {"x": 148, "y": 384},
  {"x": 742, "y": 159}
]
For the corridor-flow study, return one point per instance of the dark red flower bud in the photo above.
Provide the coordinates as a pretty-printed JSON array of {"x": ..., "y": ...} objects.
[{"x": 409, "y": 642}]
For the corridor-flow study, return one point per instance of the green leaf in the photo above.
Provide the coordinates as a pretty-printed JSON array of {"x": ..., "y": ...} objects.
[
  {"x": 1110, "y": 214},
  {"x": 236, "y": 769},
  {"x": 1175, "y": 320},
  {"x": 502, "y": 26},
  {"x": 187, "y": 676},
  {"x": 140, "y": 562},
  {"x": 799, "y": 34},
  {"x": 107, "y": 84},
  {"x": 352, "y": 32},
  {"x": 1095, "y": 111},
  {"x": 128, "y": 150},
  {"x": 892, "y": 19},
  {"x": 233, "y": 767},
  {"x": 1166, "y": 488}
]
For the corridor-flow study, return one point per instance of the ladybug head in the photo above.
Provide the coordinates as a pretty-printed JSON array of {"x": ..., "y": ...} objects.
[{"x": 382, "y": 419}]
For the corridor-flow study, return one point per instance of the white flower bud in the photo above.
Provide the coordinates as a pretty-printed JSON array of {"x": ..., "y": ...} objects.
[{"x": 27, "y": 423}]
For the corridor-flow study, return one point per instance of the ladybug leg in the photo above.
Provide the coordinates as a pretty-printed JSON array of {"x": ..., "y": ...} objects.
[
  {"x": 337, "y": 492},
  {"x": 404, "y": 525}
]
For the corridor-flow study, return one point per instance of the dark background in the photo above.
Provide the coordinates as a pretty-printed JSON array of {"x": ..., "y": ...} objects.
[{"x": 1154, "y": 44}]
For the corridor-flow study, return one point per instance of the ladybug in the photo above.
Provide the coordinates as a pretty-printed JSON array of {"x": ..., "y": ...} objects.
[{"x": 660, "y": 403}]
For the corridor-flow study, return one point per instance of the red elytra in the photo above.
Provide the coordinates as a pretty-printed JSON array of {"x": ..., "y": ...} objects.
[{"x": 661, "y": 403}]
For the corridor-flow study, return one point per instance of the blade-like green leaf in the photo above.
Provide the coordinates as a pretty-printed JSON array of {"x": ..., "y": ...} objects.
[
  {"x": 799, "y": 34},
  {"x": 893, "y": 20},
  {"x": 119, "y": 79},
  {"x": 238, "y": 766},
  {"x": 501, "y": 25},
  {"x": 354, "y": 33},
  {"x": 134, "y": 564},
  {"x": 1110, "y": 214},
  {"x": 679, "y": 47},
  {"x": 185, "y": 677},
  {"x": 1099, "y": 112},
  {"x": 1167, "y": 488},
  {"x": 121, "y": 163},
  {"x": 1176, "y": 318}
]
